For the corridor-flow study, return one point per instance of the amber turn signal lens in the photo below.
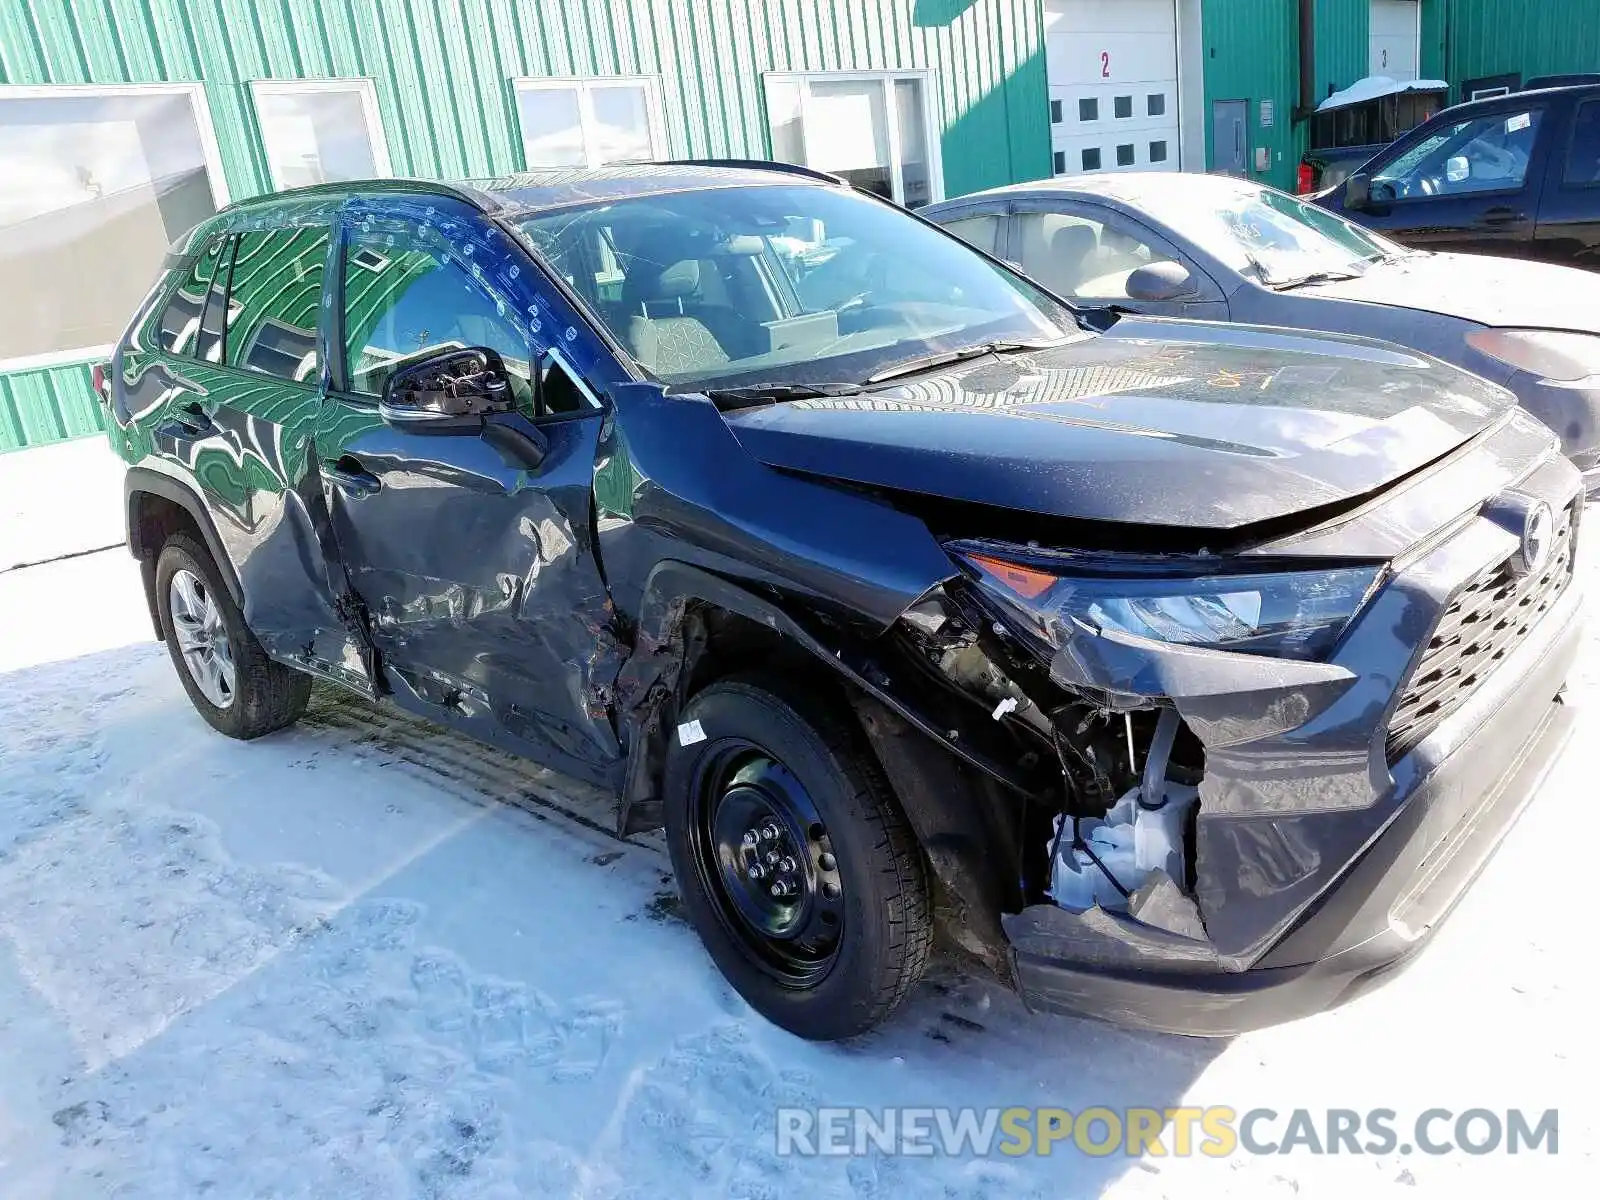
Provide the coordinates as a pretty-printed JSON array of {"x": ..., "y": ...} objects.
[{"x": 1024, "y": 581}]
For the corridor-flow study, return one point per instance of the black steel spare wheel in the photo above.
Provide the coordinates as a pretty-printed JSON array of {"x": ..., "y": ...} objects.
[
  {"x": 763, "y": 853},
  {"x": 794, "y": 860}
]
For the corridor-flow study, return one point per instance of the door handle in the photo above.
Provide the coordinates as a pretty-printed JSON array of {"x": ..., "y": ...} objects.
[
  {"x": 348, "y": 476},
  {"x": 1503, "y": 216}
]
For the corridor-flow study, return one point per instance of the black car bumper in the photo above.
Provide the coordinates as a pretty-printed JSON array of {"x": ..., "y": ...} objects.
[{"x": 1479, "y": 769}]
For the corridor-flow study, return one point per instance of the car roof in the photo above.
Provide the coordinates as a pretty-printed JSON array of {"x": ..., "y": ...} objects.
[
  {"x": 1129, "y": 187},
  {"x": 529, "y": 192}
]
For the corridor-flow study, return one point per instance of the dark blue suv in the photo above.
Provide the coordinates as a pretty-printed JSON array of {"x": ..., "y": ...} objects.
[{"x": 1186, "y": 673}]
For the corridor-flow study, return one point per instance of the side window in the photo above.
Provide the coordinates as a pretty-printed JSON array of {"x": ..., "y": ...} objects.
[
  {"x": 1482, "y": 154},
  {"x": 404, "y": 304},
  {"x": 1583, "y": 155},
  {"x": 982, "y": 232},
  {"x": 275, "y": 300},
  {"x": 191, "y": 324},
  {"x": 1080, "y": 258}
]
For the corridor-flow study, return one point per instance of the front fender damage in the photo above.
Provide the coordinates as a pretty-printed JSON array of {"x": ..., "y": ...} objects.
[{"x": 1226, "y": 700}]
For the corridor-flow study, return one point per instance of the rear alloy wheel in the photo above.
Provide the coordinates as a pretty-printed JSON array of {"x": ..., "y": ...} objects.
[
  {"x": 230, "y": 680},
  {"x": 201, "y": 637},
  {"x": 794, "y": 862}
]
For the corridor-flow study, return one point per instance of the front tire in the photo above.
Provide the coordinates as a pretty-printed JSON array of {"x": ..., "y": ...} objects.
[
  {"x": 794, "y": 861},
  {"x": 230, "y": 680}
]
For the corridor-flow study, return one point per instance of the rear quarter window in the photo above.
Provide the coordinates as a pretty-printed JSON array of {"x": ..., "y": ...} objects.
[{"x": 275, "y": 302}]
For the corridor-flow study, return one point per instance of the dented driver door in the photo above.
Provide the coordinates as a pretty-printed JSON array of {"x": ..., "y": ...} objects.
[{"x": 471, "y": 555}]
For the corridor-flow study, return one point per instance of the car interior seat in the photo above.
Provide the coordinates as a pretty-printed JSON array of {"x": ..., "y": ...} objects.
[
  {"x": 1071, "y": 247},
  {"x": 663, "y": 333}
]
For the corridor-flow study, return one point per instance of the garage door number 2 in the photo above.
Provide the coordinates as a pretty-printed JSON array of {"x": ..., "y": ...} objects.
[{"x": 1105, "y": 64}]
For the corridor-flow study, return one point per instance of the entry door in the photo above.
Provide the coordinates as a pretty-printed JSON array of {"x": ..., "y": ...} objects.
[
  {"x": 471, "y": 553},
  {"x": 1229, "y": 126}
]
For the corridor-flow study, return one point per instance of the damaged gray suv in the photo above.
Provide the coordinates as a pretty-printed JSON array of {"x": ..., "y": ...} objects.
[{"x": 1184, "y": 674}]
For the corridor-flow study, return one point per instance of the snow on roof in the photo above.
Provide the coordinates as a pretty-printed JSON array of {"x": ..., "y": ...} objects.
[{"x": 1375, "y": 86}]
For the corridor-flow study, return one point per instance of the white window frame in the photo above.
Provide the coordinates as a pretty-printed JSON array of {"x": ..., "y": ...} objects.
[
  {"x": 930, "y": 117},
  {"x": 210, "y": 153},
  {"x": 363, "y": 87},
  {"x": 585, "y": 86}
]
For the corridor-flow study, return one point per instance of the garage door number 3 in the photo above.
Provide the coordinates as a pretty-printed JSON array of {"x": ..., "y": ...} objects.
[{"x": 1105, "y": 64}]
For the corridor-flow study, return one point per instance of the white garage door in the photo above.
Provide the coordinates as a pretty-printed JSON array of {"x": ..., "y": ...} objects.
[
  {"x": 1113, "y": 67},
  {"x": 1394, "y": 38}
]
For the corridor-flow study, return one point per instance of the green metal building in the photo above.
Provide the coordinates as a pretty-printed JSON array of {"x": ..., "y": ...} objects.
[{"x": 122, "y": 122}]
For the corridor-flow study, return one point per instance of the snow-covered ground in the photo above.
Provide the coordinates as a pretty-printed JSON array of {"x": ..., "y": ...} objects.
[{"x": 364, "y": 958}]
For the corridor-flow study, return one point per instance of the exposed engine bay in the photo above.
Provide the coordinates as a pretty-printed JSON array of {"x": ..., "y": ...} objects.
[{"x": 1120, "y": 833}]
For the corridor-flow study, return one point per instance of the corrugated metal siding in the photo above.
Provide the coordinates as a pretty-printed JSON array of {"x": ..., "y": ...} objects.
[
  {"x": 1252, "y": 54},
  {"x": 1533, "y": 37},
  {"x": 1343, "y": 37},
  {"x": 47, "y": 406},
  {"x": 1434, "y": 24},
  {"x": 441, "y": 69}
]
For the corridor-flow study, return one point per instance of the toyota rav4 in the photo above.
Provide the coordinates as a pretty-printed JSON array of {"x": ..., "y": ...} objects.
[{"x": 1184, "y": 674}]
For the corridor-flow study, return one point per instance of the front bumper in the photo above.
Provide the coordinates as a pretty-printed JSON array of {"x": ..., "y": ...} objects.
[
  {"x": 1382, "y": 910},
  {"x": 1335, "y": 830}
]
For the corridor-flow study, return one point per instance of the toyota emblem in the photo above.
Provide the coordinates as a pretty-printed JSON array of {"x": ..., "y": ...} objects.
[{"x": 1538, "y": 537}]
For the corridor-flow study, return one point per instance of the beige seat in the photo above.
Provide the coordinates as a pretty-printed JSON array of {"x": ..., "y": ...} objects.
[{"x": 662, "y": 333}]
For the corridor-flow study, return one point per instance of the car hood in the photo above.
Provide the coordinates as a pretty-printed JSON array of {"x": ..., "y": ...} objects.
[
  {"x": 1478, "y": 287},
  {"x": 1163, "y": 423}
]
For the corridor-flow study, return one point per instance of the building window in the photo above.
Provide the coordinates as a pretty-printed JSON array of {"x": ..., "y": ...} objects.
[
  {"x": 1061, "y": 162},
  {"x": 1125, "y": 155},
  {"x": 1089, "y": 110},
  {"x": 1122, "y": 106},
  {"x": 1158, "y": 152},
  {"x": 1091, "y": 158},
  {"x": 320, "y": 130},
  {"x": 875, "y": 129},
  {"x": 1155, "y": 104},
  {"x": 1056, "y": 114},
  {"x": 590, "y": 122},
  {"x": 98, "y": 182}
]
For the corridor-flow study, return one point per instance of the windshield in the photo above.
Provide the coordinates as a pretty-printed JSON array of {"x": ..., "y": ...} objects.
[
  {"x": 797, "y": 284},
  {"x": 1282, "y": 239}
]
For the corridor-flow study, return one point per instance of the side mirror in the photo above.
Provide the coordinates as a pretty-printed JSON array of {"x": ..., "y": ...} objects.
[
  {"x": 449, "y": 392},
  {"x": 1457, "y": 169},
  {"x": 1159, "y": 281},
  {"x": 1357, "y": 191}
]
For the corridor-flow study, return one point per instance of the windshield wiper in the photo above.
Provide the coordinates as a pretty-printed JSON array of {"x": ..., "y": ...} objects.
[
  {"x": 752, "y": 395},
  {"x": 928, "y": 362},
  {"x": 1313, "y": 277}
]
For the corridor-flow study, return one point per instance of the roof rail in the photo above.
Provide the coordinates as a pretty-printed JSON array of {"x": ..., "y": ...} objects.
[
  {"x": 432, "y": 187},
  {"x": 756, "y": 164}
]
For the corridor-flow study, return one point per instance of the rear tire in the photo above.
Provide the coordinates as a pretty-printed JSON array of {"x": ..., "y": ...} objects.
[
  {"x": 214, "y": 650},
  {"x": 846, "y": 934}
]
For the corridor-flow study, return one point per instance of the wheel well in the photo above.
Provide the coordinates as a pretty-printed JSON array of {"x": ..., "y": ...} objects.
[
  {"x": 725, "y": 643},
  {"x": 967, "y": 828},
  {"x": 152, "y": 519}
]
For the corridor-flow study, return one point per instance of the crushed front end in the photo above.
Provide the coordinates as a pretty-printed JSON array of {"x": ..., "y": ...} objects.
[{"x": 1281, "y": 764}]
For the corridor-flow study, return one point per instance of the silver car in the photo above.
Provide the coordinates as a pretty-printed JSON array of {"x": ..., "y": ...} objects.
[{"x": 1225, "y": 249}]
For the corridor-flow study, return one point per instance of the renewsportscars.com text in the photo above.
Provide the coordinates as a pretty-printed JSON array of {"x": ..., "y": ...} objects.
[{"x": 1214, "y": 1132}]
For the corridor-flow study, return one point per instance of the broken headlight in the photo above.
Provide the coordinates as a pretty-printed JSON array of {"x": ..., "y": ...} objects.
[{"x": 1288, "y": 614}]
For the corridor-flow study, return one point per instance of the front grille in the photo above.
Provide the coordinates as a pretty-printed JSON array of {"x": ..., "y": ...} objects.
[{"x": 1487, "y": 618}]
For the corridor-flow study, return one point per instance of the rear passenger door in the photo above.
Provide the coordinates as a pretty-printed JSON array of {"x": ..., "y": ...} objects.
[
  {"x": 472, "y": 553},
  {"x": 240, "y": 375},
  {"x": 1569, "y": 210}
]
